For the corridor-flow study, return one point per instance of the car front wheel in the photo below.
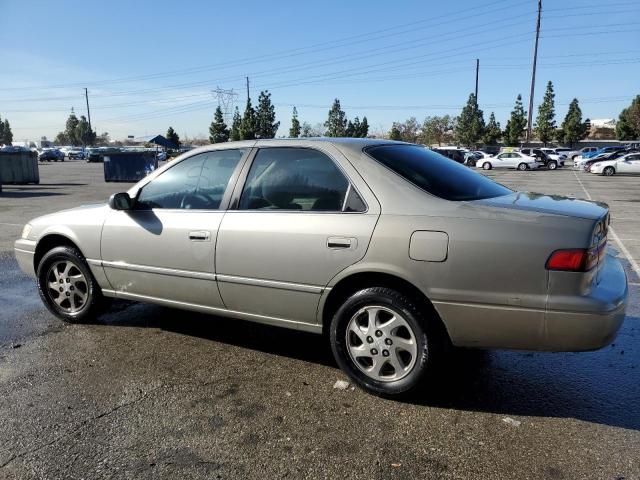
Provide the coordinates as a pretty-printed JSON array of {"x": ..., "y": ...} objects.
[
  {"x": 522, "y": 166},
  {"x": 608, "y": 171},
  {"x": 380, "y": 339},
  {"x": 486, "y": 166},
  {"x": 552, "y": 165},
  {"x": 67, "y": 286}
]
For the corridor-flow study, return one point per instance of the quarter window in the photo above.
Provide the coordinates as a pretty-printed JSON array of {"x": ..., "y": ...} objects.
[
  {"x": 294, "y": 179},
  {"x": 197, "y": 183}
]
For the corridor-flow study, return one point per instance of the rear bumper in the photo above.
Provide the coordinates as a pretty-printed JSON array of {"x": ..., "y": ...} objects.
[
  {"x": 570, "y": 322},
  {"x": 592, "y": 321},
  {"x": 25, "y": 251}
]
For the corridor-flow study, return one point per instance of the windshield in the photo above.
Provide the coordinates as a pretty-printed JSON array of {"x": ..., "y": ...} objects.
[{"x": 435, "y": 173}]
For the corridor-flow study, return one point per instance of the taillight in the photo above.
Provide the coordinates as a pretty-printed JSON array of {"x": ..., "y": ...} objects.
[{"x": 574, "y": 259}]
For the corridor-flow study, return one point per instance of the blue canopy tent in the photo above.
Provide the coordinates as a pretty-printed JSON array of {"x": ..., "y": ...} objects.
[{"x": 163, "y": 142}]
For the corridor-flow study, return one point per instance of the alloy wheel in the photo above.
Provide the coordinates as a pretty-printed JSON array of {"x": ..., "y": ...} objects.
[
  {"x": 67, "y": 286},
  {"x": 381, "y": 343}
]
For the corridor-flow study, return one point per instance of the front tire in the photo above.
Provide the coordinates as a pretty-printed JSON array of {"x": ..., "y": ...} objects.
[
  {"x": 486, "y": 166},
  {"x": 67, "y": 286},
  {"x": 552, "y": 165},
  {"x": 379, "y": 338},
  {"x": 608, "y": 171},
  {"x": 522, "y": 167}
]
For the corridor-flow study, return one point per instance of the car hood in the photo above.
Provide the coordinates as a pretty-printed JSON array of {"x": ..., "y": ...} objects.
[
  {"x": 550, "y": 204},
  {"x": 92, "y": 213}
]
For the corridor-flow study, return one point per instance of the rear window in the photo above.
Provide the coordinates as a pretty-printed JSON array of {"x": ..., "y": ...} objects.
[{"x": 435, "y": 173}]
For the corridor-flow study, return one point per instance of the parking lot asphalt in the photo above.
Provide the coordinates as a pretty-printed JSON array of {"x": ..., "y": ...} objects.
[{"x": 150, "y": 392}]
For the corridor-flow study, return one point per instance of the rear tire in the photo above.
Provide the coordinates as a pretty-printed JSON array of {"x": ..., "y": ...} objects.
[
  {"x": 522, "y": 167},
  {"x": 486, "y": 166},
  {"x": 382, "y": 341},
  {"x": 67, "y": 286},
  {"x": 608, "y": 171}
]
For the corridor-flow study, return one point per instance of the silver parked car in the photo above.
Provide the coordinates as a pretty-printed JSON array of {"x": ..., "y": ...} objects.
[{"x": 391, "y": 249}]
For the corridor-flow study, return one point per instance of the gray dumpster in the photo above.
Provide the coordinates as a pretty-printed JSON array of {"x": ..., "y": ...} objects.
[{"x": 19, "y": 167}]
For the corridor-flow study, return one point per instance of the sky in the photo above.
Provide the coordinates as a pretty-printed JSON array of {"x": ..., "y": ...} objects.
[{"x": 149, "y": 65}]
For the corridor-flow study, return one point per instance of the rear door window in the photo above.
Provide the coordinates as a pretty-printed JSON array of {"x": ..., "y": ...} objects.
[
  {"x": 295, "y": 179},
  {"x": 435, "y": 174}
]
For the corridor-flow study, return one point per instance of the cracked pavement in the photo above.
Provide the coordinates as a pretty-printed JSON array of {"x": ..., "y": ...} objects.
[{"x": 147, "y": 392}]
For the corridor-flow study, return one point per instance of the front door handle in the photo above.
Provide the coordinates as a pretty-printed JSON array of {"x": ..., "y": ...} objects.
[
  {"x": 342, "y": 242},
  {"x": 200, "y": 236}
]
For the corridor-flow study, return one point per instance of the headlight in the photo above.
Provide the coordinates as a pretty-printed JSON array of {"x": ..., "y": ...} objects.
[{"x": 26, "y": 230}]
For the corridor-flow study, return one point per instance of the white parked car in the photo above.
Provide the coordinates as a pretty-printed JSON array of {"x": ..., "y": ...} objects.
[
  {"x": 480, "y": 154},
  {"x": 553, "y": 154},
  {"x": 508, "y": 160},
  {"x": 628, "y": 164}
]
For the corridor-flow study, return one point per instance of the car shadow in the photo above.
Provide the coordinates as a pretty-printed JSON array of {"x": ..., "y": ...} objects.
[
  {"x": 27, "y": 193},
  {"x": 600, "y": 387}
]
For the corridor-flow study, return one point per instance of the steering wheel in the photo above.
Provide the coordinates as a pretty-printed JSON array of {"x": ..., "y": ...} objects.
[{"x": 195, "y": 200}]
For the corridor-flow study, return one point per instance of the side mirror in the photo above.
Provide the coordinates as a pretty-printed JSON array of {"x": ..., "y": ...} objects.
[{"x": 121, "y": 201}]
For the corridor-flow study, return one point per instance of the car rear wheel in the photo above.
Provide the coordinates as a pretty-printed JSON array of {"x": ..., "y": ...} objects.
[
  {"x": 552, "y": 165},
  {"x": 486, "y": 166},
  {"x": 67, "y": 286},
  {"x": 608, "y": 171},
  {"x": 380, "y": 339},
  {"x": 522, "y": 166}
]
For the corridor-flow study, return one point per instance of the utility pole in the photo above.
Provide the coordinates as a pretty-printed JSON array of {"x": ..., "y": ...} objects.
[
  {"x": 533, "y": 73},
  {"x": 477, "y": 73},
  {"x": 247, "y": 89},
  {"x": 86, "y": 96}
]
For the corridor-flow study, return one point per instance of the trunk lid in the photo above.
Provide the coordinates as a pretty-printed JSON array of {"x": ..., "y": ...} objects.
[{"x": 551, "y": 204}]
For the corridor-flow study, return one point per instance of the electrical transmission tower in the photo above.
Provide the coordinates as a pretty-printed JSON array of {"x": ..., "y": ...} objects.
[{"x": 226, "y": 101}]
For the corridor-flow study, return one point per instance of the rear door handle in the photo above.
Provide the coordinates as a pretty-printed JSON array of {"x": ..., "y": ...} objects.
[
  {"x": 200, "y": 236},
  {"x": 341, "y": 242}
]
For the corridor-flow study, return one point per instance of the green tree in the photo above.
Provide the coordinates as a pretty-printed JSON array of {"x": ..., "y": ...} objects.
[
  {"x": 558, "y": 135},
  {"x": 266, "y": 125},
  {"x": 218, "y": 131},
  {"x": 628, "y": 126},
  {"x": 574, "y": 129},
  {"x": 173, "y": 137},
  {"x": 470, "y": 124},
  {"x": 436, "y": 129},
  {"x": 353, "y": 128},
  {"x": 83, "y": 134},
  {"x": 61, "y": 139},
  {"x": 336, "y": 123},
  {"x": 294, "y": 131},
  {"x": 307, "y": 130},
  {"x": 364, "y": 128},
  {"x": 248, "y": 123},
  {"x": 70, "y": 131},
  {"x": 6, "y": 135},
  {"x": 395, "y": 133},
  {"x": 516, "y": 124},
  {"x": 492, "y": 132},
  {"x": 545, "y": 121},
  {"x": 234, "y": 135}
]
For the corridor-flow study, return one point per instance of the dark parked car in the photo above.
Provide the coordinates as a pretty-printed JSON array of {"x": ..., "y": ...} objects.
[
  {"x": 456, "y": 154},
  {"x": 51, "y": 154},
  {"x": 543, "y": 158}
]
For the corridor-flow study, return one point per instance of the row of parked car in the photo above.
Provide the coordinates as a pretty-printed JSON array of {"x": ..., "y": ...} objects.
[
  {"x": 508, "y": 157},
  {"x": 610, "y": 160},
  {"x": 603, "y": 161}
]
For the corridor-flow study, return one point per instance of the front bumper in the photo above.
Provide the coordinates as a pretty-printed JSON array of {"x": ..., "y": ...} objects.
[
  {"x": 25, "y": 251},
  {"x": 592, "y": 321}
]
